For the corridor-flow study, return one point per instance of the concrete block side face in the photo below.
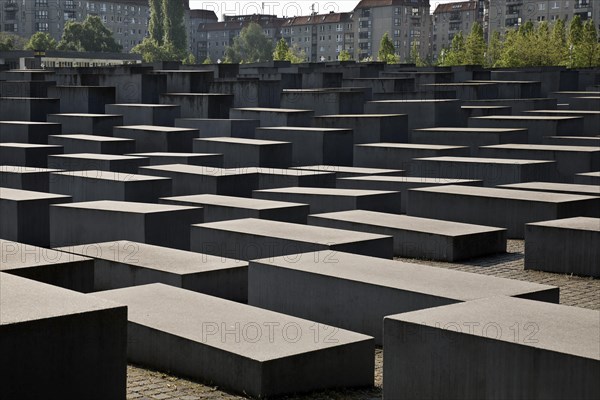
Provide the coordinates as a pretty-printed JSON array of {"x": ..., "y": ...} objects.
[
  {"x": 110, "y": 275},
  {"x": 237, "y": 185},
  {"x": 88, "y": 350},
  {"x": 148, "y": 191},
  {"x": 230, "y": 284},
  {"x": 338, "y": 148},
  {"x": 292, "y": 214},
  {"x": 482, "y": 244},
  {"x": 386, "y": 202},
  {"x": 423, "y": 362},
  {"x": 172, "y": 228},
  {"x": 186, "y": 358},
  {"x": 76, "y": 275},
  {"x": 9, "y": 214},
  {"x": 381, "y": 247}
]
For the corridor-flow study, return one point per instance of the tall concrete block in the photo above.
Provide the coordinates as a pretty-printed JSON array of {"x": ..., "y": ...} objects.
[
  {"x": 27, "y": 131},
  {"x": 73, "y": 144},
  {"x": 149, "y": 138},
  {"x": 83, "y": 99},
  {"x": 241, "y": 152},
  {"x": 27, "y": 155},
  {"x": 92, "y": 161},
  {"x": 275, "y": 116},
  {"x": 146, "y": 114},
  {"x": 209, "y": 127},
  {"x": 26, "y": 178},
  {"x": 28, "y": 108},
  {"x": 90, "y": 124},
  {"x": 369, "y": 128},
  {"x": 200, "y": 105}
]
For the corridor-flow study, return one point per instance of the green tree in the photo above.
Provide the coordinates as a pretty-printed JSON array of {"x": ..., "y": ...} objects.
[
  {"x": 10, "y": 41},
  {"x": 207, "y": 60},
  {"x": 174, "y": 26},
  {"x": 189, "y": 60},
  {"x": 494, "y": 50},
  {"x": 41, "y": 41},
  {"x": 155, "y": 26},
  {"x": 456, "y": 54},
  {"x": 475, "y": 46},
  {"x": 387, "y": 51},
  {"x": 89, "y": 35},
  {"x": 344, "y": 55},
  {"x": 588, "y": 51},
  {"x": 281, "y": 50},
  {"x": 252, "y": 45},
  {"x": 558, "y": 43},
  {"x": 415, "y": 55}
]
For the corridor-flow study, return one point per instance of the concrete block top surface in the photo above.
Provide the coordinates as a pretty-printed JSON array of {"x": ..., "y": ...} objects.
[
  {"x": 126, "y": 207},
  {"x": 410, "y": 179},
  {"x": 231, "y": 201},
  {"x": 167, "y": 154},
  {"x": 197, "y": 170},
  {"x": 528, "y": 118},
  {"x": 563, "y": 112},
  {"x": 132, "y": 105},
  {"x": 97, "y": 156},
  {"x": 86, "y": 115},
  {"x": 27, "y": 195},
  {"x": 417, "y": 101},
  {"x": 411, "y": 146},
  {"x": 576, "y": 223},
  {"x": 416, "y": 278},
  {"x": 29, "y": 98},
  {"x": 508, "y": 194},
  {"x": 350, "y": 170},
  {"x": 278, "y": 171},
  {"x": 405, "y": 222},
  {"x": 286, "y": 230},
  {"x": 592, "y": 190},
  {"x": 154, "y": 128},
  {"x": 544, "y": 147},
  {"x": 185, "y": 314},
  {"x": 26, "y": 170},
  {"x": 472, "y": 130},
  {"x": 561, "y": 329},
  {"x": 482, "y": 160},
  {"x": 305, "y": 129},
  {"x": 317, "y": 191},
  {"x": 15, "y": 255},
  {"x": 274, "y": 110},
  {"x": 27, "y": 123},
  {"x": 154, "y": 257},
  {"x": 26, "y": 300},
  {"x": 198, "y": 94},
  {"x": 112, "y": 176},
  {"x": 30, "y": 146},
  {"x": 92, "y": 138},
  {"x": 183, "y": 71},
  {"x": 595, "y": 174},
  {"x": 255, "y": 142},
  {"x": 361, "y": 116}
]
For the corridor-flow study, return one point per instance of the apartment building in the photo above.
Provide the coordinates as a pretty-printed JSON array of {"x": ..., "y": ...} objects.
[
  {"x": 451, "y": 18},
  {"x": 320, "y": 37}
]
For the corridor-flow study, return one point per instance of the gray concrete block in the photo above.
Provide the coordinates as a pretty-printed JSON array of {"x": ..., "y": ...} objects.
[
  {"x": 471, "y": 137},
  {"x": 423, "y": 238},
  {"x": 83, "y": 99},
  {"x": 150, "y": 138},
  {"x": 518, "y": 105},
  {"x": 484, "y": 111},
  {"x": 27, "y": 131},
  {"x": 73, "y": 144},
  {"x": 360, "y": 291},
  {"x": 369, "y": 128},
  {"x": 322, "y": 200},
  {"x": 92, "y": 161},
  {"x": 272, "y": 178},
  {"x": 220, "y": 127},
  {"x": 224, "y": 208},
  {"x": 85, "y": 337},
  {"x": 242, "y": 152},
  {"x": 186, "y": 81},
  {"x": 492, "y": 171},
  {"x": 588, "y": 178},
  {"x": 27, "y": 155},
  {"x": 421, "y": 113},
  {"x": 591, "y": 103},
  {"x": 249, "y": 239},
  {"x": 564, "y": 246},
  {"x": 498, "y": 347},
  {"x": 349, "y": 172},
  {"x": 200, "y": 105},
  {"x": 26, "y": 178},
  {"x": 591, "y": 119},
  {"x": 313, "y": 145},
  {"x": 28, "y": 108},
  {"x": 250, "y": 92},
  {"x": 400, "y": 184},
  {"x": 566, "y": 188},
  {"x": 90, "y": 124},
  {"x": 504, "y": 208},
  {"x": 92, "y": 185},
  {"x": 327, "y": 101},
  {"x": 146, "y": 114},
  {"x": 165, "y": 158},
  {"x": 123, "y": 264},
  {"x": 48, "y": 266},
  {"x": 401, "y": 155},
  {"x": 192, "y": 179},
  {"x": 274, "y": 116},
  {"x": 238, "y": 347},
  {"x": 105, "y": 221},
  {"x": 20, "y": 210},
  {"x": 593, "y": 141},
  {"x": 537, "y": 126}
]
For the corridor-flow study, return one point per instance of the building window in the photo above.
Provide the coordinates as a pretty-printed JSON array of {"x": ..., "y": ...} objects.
[
  {"x": 41, "y": 14},
  {"x": 41, "y": 3},
  {"x": 41, "y": 26},
  {"x": 541, "y": 6}
]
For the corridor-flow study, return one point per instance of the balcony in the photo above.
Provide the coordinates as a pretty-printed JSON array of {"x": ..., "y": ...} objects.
[{"x": 11, "y": 6}]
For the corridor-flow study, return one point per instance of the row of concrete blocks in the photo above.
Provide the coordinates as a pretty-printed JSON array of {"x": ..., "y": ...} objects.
[{"x": 291, "y": 334}]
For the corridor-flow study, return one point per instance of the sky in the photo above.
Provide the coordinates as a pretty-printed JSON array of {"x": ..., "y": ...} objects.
[{"x": 283, "y": 7}]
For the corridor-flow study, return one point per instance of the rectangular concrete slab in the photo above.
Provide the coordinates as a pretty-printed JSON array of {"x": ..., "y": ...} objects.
[
  {"x": 369, "y": 128},
  {"x": 537, "y": 126},
  {"x": 248, "y": 239},
  {"x": 422, "y": 113},
  {"x": 27, "y": 131},
  {"x": 212, "y": 127},
  {"x": 105, "y": 221},
  {"x": 26, "y": 178},
  {"x": 93, "y": 161},
  {"x": 224, "y": 208},
  {"x": 90, "y": 124},
  {"x": 323, "y": 200},
  {"x": 274, "y": 116},
  {"x": 401, "y": 155},
  {"x": 360, "y": 291},
  {"x": 151, "y": 138},
  {"x": 166, "y": 158},
  {"x": 123, "y": 263},
  {"x": 588, "y": 178},
  {"x": 472, "y": 137},
  {"x": 85, "y": 337},
  {"x": 93, "y": 144},
  {"x": 348, "y": 172},
  {"x": 504, "y": 208},
  {"x": 507, "y": 347},
  {"x": 242, "y": 152},
  {"x": 27, "y": 155},
  {"x": 423, "y": 238},
  {"x": 566, "y": 188},
  {"x": 564, "y": 246},
  {"x": 271, "y": 178},
  {"x": 146, "y": 114},
  {"x": 200, "y": 105},
  {"x": 49, "y": 266},
  {"x": 242, "y": 348}
]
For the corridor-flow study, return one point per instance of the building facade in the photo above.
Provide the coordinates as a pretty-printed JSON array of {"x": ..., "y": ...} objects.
[{"x": 451, "y": 18}]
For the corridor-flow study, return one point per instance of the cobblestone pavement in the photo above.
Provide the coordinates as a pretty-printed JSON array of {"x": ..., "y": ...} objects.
[{"x": 574, "y": 291}]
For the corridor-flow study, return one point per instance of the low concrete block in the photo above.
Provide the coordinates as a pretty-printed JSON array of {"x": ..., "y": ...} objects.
[
  {"x": 493, "y": 338},
  {"x": 150, "y": 138},
  {"x": 83, "y": 99},
  {"x": 210, "y": 127},
  {"x": 26, "y": 178},
  {"x": 249, "y": 239},
  {"x": 73, "y": 144},
  {"x": 105, "y": 221},
  {"x": 471, "y": 137},
  {"x": 349, "y": 172},
  {"x": 272, "y": 178},
  {"x": 274, "y": 116},
  {"x": 27, "y": 131},
  {"x": 369, "y": 128},
  {"x": 146, "y": 114},
  {"x": 200, "y": 105},
  {"x": 566, "y": 188},
  {"x": 27, "y": 155},
  {"x": 537, "y": 126},
  {"x": 327, "y": 101},
  {"x": 593, "y": 141},
  {"x": 322, "y": 200},
  {"x": 401, "y": 155},
  {"x": 90, "y": 124},
  {"x": 28, "y": 108},
  {"x": 201, "y": 159},
  {"x": 241, "y": 152},
  {"x": 591, "y": 119},
  {"x": 239, "y": 347},
  {"x": 85, "y": 337},
  {"x": 423, "y": 238},
  {"x": 102, "y": 162},
  {"x": 564, "y": 246},
  {"x": 589, "y": 178},
  {"x": 360, "y": 291},
  {"x": 421, "y": 113},
  {"x": 123, "y": 264}
]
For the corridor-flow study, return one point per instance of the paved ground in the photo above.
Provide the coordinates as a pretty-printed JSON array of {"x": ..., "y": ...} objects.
[{"x": 574, "y": 291}]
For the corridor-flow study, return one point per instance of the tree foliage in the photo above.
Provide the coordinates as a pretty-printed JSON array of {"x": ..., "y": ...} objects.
[
  {"x": 10, "y": 41},
  {"x": 155, "y": 25},
  {"x": 283, "y": 52},
  {"x": 475, "y": 46},
  {"x": 174, "y": 25},
  {"x": 250, "y": 46},
  {"x": 344, "y": 55},
  {"x": 89, "y": 35},
  {"x": 41, "y": 41},
  {"x": 456, "y": 54},
  {"x": 387, "y": 51}
]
